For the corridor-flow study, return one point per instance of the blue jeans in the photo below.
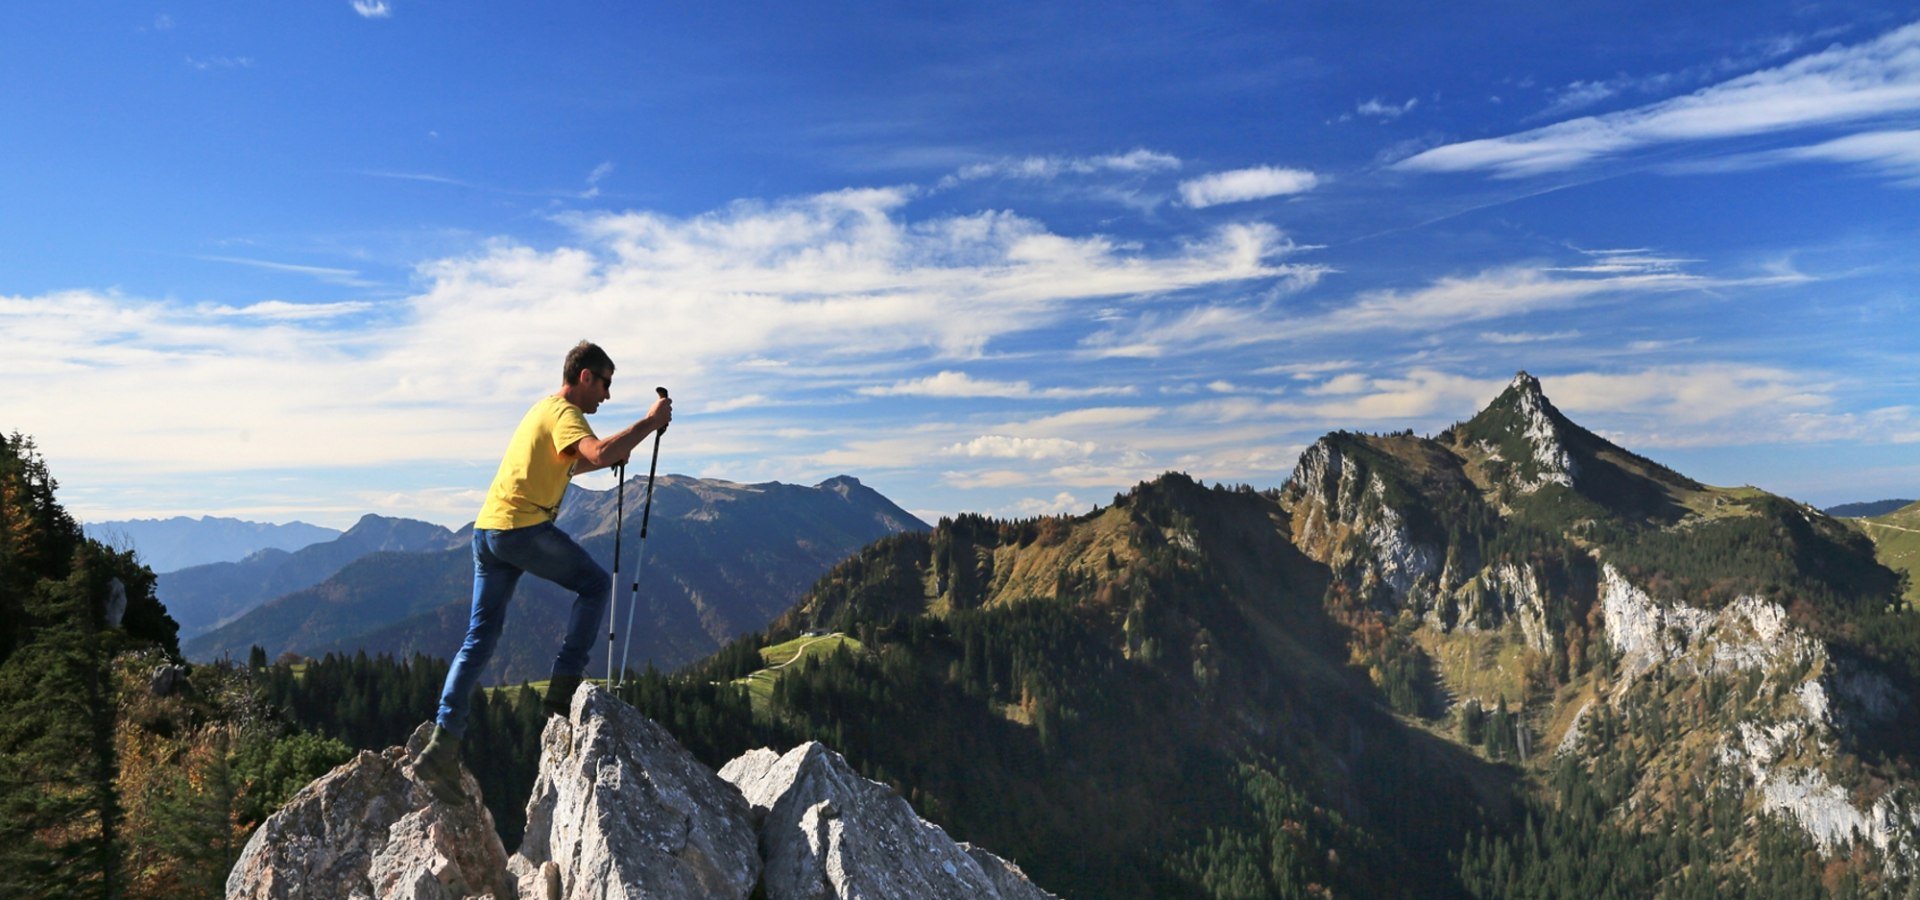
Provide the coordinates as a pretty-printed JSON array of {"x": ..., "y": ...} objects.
[{"x": 499, "y": 558}]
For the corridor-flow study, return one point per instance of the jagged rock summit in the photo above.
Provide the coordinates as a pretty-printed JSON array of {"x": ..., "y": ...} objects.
[
  {"x": 371, "y": 828},
  {"x": 620, "y": 809},
  {"x": 826, "y": 831}
]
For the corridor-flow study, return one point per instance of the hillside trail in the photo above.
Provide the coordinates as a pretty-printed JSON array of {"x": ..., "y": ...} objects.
[
  {"x": 1894, "y": 527},
  {"x": 801, "y": 650}
]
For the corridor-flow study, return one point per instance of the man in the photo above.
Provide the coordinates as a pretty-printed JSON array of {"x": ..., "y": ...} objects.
[{"x": 515, "y": 534}]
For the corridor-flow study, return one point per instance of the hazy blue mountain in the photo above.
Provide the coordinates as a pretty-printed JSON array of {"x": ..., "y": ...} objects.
[
  {"x": 169, "y": 544},
  {"x": 722, "y": 559},
  {"x": 201, "y": 598},
  {"x": 1865, "y": 510}
]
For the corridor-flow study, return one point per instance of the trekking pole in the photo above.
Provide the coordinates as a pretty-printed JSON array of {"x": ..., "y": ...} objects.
[
  {"x": 640, "y": 554},
  {"x": 613, "y": 590}
]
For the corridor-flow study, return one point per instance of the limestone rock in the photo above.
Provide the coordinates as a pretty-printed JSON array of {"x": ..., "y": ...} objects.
[
  {"x": 167, "y": 679},
  {"x": 622, "y": 810},
  {"x": 370, "y": 828},
  {"x": 828, "y": 832}
]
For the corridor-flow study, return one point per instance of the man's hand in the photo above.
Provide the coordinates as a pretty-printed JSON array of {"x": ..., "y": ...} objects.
[{"x": 658, "y": 416}]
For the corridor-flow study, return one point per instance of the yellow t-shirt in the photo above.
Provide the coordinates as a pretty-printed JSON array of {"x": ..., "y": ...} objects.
[{"x": 533, "y": 476}]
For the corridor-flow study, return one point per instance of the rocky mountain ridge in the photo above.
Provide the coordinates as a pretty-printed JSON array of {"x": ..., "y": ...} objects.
[
  {"x": 1795, "y": 689},
  {"x": 620, "y": 810}
]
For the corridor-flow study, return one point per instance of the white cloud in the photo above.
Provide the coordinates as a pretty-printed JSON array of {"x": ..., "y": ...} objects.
[
  {"x": 960, "y": 384},
  {"x": 805, "y": 299},
  {"x": 1582, "y": 94},
  {"x": 1061, "y": 504},
  {"x": 1380, "y": 110},
  {"x": 1420, "y": 393},
  {"x": 1047, "y": 168},
  {"x": 1495, "y": 294},
  {"x": 1838, "y": 86},
  {"x": 281, "y": 310},
  {"x": 1241, "y": 185},
  {"x": 1691, "y": 394},
  {"x": 372, "y": 9},
  {"x": 1001, "y": 446},
  {"x": 1526, "y": 337},
  {"x": 1350, "y": 383},
  {"x": 1892, "y": 153},
  {"x": 730, "y": 404}
]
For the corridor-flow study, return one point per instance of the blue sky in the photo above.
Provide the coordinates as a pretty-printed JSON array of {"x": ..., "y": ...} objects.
[{"x": 312, "y": 260}]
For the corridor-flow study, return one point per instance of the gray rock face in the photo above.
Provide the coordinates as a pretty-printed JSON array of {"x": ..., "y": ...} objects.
[
  {"x": 828, "y": 832},
  {"x": 622, "y": 810},
  {"x": 369, "y": 829}
]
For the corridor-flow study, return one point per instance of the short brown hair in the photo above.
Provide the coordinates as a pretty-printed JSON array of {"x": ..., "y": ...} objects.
[{"x": 585, "y": 356}]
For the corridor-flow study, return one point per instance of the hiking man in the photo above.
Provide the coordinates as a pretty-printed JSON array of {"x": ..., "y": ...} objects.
[{"x": 515, "y": 534}]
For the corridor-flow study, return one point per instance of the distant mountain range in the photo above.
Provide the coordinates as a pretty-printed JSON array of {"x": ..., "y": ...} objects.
[
  {"x": 721, "y": 559},
  {"x": 1865, "y": 510},
  {"x": 166, "y": 545},
  {"x": 205, "y": 597}
]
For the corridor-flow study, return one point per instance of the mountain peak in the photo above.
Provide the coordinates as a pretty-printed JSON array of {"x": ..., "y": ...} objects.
[
  {"x": 1522, "y": 428},
  {"x": 841, "y": 483}
]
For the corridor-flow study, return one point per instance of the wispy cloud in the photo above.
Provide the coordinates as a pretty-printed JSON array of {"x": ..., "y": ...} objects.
[
  {"x": 1375, "y": 108},
  {"x": 1893, "y": 154},
  {"x": 1242, "y": 185},
  {"x": 281, "y": 310},
  {"x": 1047, "y": 168},
  {"x": 415, "y": 176},
  {"x": 372, "y": 9},
  {"x": 1839, "y": 86},
  {"x": 1447, "y": 302},
  {"x": 1526, "y": 337},
  {"x": 329, "y": 274},
  {"x": 593, "y": 180},
  {"x": 207, "y": 63},
  {"x": 1001, "y": 446},
  {"x": 960, "y": 384}
]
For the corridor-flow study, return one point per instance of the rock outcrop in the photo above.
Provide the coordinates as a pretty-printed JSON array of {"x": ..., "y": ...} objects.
[
  {"x": 619, "y": 810},
  {"x": 1775, "y": 749},
  {"x": 828, "y": 832},
  {"x": 370, "y": 828},
  {"x": 622, "y": 810},
  {"x": 1342, "y": 517}
]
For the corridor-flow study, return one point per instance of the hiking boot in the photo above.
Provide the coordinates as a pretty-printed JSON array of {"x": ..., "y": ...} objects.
[
  {"x": 439, "y": 766},
  {"x": 559, "y": 699}
]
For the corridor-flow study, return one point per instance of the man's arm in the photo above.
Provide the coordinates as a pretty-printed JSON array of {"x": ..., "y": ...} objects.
[{"x": 592, "y": 454}]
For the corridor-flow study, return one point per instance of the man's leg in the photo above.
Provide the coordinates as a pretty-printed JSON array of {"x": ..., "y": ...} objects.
[
  {"x": 493, "y": 582},
  {"x": 548, "y": 552}
]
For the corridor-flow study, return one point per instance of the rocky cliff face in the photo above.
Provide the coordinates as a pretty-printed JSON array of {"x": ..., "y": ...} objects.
[
  {"x": 1786, "y": 703},
  {"x": 620, "y": 810}
]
